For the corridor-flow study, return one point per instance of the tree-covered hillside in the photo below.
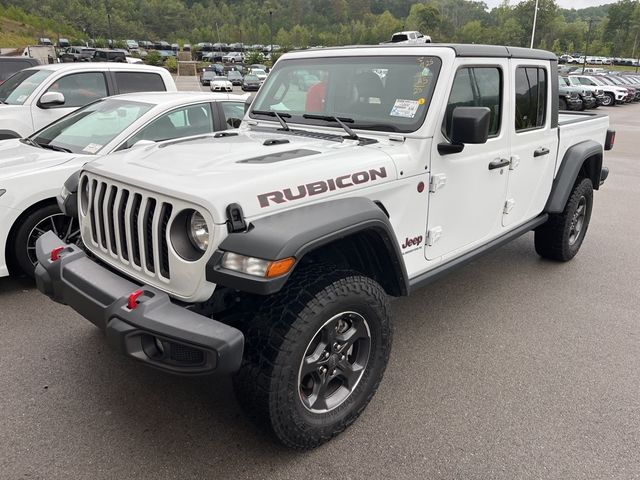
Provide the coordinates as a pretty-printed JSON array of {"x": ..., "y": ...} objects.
[{"x": 614, "y": 28}]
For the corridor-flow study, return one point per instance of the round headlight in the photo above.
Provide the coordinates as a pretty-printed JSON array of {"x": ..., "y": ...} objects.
[{"x": 198, "y": 231}]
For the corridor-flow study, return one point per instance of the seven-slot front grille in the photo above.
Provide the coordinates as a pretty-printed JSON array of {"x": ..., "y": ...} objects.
[{"x": 130, "y": 225}]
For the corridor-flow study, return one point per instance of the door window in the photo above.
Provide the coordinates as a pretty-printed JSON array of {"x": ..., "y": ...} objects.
[
  {"x": 80, "y": 88},
  {"x": 531, "y": 98},
  {"x": 183, "y": 122},
  {"x": 233, "y": 113},
  {"x": 130, "y": 82},
  {"x": 476, "y": 87}
]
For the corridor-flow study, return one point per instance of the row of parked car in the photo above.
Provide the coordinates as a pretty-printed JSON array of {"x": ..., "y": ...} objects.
[
  {"x": 55, "y": 118},
  {"x": 221, "y": 78},
  {"x": 584, "y": 91},
  {"x": 596, "y": 60}
]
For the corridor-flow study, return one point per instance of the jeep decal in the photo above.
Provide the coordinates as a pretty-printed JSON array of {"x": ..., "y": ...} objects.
[{"x": 320, "y": 186}]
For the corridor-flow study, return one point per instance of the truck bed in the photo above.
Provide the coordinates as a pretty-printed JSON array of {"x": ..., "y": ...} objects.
[{"x": 576, "y": 127}]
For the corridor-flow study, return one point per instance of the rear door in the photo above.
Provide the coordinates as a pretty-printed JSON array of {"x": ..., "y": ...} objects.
[
  {"x": 466, "y": 196},
  {"x": 535, "y": 141}
]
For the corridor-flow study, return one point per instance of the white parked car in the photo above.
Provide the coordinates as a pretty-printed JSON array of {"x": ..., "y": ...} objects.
[
  {"x": 258, "y": 72},
  {"x": 33, "y": 169},
  {"x": 233, "y": 57},
  {"x": 220, "y": 84},
  {"x": 37, "y": 96}
]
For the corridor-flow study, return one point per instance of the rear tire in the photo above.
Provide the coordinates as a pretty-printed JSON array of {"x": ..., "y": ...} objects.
[
  {"x": 315, "y": 354},
  {"x": 561, "y": 237}
]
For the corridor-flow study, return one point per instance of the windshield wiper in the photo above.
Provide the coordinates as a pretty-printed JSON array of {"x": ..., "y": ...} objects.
[
  {"x": 54, "y": 148},
  {"x": 30, "y": 141},
  {"x": 279, "y": 116},
  {"x": 3, "y": 102},
  {"x": 339, "y": 120}
]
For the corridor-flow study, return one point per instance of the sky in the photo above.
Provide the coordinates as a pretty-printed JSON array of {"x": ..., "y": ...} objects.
[{"x": 561, "y": 3}]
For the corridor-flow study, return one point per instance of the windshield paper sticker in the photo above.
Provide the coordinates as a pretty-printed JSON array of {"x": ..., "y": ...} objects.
[
  {"x": 21, "y": 98},
  {"x": 92, "y": 148},
  {"x": 405, "y": 108}
]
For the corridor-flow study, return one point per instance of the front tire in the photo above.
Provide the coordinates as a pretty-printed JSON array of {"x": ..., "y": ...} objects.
[
  {"x": 563, "y": 104},
  {"x": 561, "y": 237},
  {"x": 314, "y": 355},
  {"x": 34, "y": 225},
  {"x": 609, "y": 100}
]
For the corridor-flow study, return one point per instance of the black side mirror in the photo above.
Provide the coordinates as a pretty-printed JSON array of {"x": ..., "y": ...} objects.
[
  {"x": 468, "y": 125},
  {"x": 248, "y": 102}
]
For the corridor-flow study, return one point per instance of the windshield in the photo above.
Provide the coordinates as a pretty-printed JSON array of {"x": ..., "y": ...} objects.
[
  {"x": 251, "y": 78},
  {"x": 377, "y": 93},
  {"x": 220, "y": 79},
  {"x": 90, "y": 128},
  {"x": 604, "y": 81},
  {"x": 17, "y": 88}
]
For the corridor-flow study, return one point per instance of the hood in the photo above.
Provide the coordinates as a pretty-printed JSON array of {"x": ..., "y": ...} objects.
[
  {"x": 17, "y": 158},
  {"x": 263, "y": 171}
]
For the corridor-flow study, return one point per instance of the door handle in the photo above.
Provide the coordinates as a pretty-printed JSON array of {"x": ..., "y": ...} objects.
[
  {"x": 499, "y": 163},
  {"x": 540, "y": 152}
]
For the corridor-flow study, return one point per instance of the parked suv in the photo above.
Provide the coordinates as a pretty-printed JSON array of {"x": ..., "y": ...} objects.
[
  {"x": 108, "y": 55},
  {"x": 77, "y": 54},
  {"x": 568, "y": 97},
  {"x": 613, "y": 94},
  {"x": 587, "y": 100},
  {"x": 37, "y": 96},
  {"x": 596, "y": 91},
  {"x": 233, "y": 57}
]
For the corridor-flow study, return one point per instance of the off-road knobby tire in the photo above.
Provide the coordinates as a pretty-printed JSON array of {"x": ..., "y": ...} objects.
[
  {"x": 552, "y": 238},
  {"x": 276, "y": 339}
]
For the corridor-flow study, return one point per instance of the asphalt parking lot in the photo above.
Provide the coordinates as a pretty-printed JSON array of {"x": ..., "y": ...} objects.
[{"x": 510, "y": 368}]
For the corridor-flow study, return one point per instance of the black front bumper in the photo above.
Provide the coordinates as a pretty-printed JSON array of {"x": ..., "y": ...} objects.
[{"x": 156, "y": 331}]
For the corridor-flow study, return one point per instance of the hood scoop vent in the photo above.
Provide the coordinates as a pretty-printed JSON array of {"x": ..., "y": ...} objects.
[
  {"x": 275, "y": 141},
  {"x": 280, "y": 156}
]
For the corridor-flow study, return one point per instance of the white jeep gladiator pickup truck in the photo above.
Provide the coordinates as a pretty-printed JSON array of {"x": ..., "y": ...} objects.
[{"x": 271, "y": 252}]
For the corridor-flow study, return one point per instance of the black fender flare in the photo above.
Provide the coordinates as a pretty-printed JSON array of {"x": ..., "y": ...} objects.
[
  {"x": 297, "y": 232},
  {"x": 572, "y": 162}
]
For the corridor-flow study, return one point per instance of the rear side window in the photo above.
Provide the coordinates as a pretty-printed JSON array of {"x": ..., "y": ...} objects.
[
  {"x": 9, "y": 68},
  {"x": 131, "y": 82},
  {"x": 476, "y": 87},
  {"x": 531, "y": 98}
]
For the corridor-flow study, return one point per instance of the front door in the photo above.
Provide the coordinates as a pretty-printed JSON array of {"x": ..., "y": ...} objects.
[
  {"x": 78, "y": 89},
  {"x": 535, "y": 142},
  {"x": 467, "y": 192}
]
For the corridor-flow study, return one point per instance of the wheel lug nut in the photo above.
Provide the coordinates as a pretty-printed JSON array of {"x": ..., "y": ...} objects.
[
  {"x": 342, "y": 357},
  {"x": 323, "y": 370},
  {"x": 333, "y": 372}
]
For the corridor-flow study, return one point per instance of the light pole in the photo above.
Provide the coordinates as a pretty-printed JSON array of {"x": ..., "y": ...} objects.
[
  {"x": 271, "y": 31},
  {"x": 110, "y": 40},
  {"x": 586, "y": 50},
  {"x": 535, "y": 19}
]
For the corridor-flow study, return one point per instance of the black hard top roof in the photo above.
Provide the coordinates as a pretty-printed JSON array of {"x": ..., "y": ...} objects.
[{"x": 471, "y": 50}]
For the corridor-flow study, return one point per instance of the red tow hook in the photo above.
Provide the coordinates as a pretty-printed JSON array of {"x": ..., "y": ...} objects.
[
  {"x": 132, "y": 302},
  {"x": 55, "y": 253}
]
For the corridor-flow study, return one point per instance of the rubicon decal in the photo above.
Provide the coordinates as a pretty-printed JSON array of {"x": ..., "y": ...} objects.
[{"x": 321, "y": 186}]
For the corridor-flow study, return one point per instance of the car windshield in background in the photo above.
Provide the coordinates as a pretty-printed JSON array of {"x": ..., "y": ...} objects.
[
  {"x": 20, "y": 86},
  {"x": 90, "y": 128},
  {"x": 220, "y": 79},
  {"x": 377, "y": 93},
  {"x": 251, "y": 78}
]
